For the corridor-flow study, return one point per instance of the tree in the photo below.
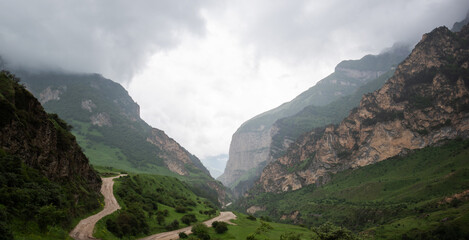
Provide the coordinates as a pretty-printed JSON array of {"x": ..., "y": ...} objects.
[
  {"x": 188, "y": 219},
  {"x": 329, "y": 231},
  {"x": 220, "y": 227},
  {"x": 201, "y": 230}
]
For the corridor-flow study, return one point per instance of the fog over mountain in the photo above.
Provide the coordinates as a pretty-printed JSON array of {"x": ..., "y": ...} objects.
[{"x": 199, "y": 69}]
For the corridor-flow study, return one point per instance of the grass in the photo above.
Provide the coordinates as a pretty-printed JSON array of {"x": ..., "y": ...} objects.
[
  {"x": 383, "y": 199},
  {"x": 169, "y": 190},
  {"x": 245, "y": 227}
]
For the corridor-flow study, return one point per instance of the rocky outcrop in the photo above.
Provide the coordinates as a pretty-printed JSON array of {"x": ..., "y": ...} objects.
[
  {"x": 251, "y": 146},
  {"x": 175, "y": 157},
  {"x": 42, "y": 141},
  {"x": 425, "y": 102},
  {"x": 101, "y": 119},
  {"x": 50, "y": 94}
]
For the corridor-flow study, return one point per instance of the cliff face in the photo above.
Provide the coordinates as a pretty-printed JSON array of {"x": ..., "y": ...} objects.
[
  {"x": 107, "y": 123},
  {"x": 251, "y": 145},
  {"x": 426, "y": 101},
  {"x": 175, "y": 157},
  {"x": 105, "y": 116},
  {"x": 40, "y": 140}
]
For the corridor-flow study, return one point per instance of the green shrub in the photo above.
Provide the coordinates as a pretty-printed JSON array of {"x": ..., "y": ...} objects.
[
  {"x": 183, "y": 235},
  {"x": 188, "y": 219},
  {"x": 201, "y": 230}
]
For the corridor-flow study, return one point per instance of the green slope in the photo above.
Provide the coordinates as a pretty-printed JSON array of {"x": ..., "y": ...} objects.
[
  {"x": 401, "y": 195},
  {"x": 35, "y": 202},
  {"x": 122, "y": 139},
  {"x": 145, "y": 199}
]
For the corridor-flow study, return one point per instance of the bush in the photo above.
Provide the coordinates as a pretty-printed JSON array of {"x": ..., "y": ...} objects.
[
  {"x": 180, "y": 209},
  {"x": 188, "y": 219},
  {"x": 220, "y": 227},
  {"x": 201, "y": 231},
  {"x": 183, "y": 235},
  {"x": 251, "y": 217},
  {"x": 173, "y": 225}
]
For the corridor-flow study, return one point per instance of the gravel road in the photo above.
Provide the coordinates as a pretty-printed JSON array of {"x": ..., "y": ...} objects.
[{"x": 84, "y": 229}]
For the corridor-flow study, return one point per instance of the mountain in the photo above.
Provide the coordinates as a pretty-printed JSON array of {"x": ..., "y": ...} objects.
[
  {"x": 459, "y": 25},
  {"x": 268, "y": 135},
  {"x": 107, "y": 124},
  {"x": 45, "y": 178},
  {"x": 396, "y": 167},
  {"x": 425, "y": 102}
]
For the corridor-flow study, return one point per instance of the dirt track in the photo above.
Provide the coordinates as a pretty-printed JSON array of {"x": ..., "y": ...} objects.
[
  {"x": 84, "y": 229},
  {"x": 224, "y": 217}
]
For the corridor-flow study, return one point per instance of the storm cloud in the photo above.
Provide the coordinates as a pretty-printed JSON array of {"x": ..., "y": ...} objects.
[{"x": 114, "y": 38}]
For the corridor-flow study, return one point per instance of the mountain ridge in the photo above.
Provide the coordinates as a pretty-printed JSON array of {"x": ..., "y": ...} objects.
[{"x": 397, "y": 117}]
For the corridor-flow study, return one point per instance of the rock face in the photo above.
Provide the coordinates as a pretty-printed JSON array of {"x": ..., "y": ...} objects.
[
  {"x": 251, "y": 145},
  {"x": 426, "y": 101},
  {"x": 42, "y": 141},
  {"x": 107, "y": 121},
  {"x": 175, "y": 157}
]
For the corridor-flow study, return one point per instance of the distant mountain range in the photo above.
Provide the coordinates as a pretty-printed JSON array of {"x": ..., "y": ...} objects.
[{"x": 266, "y": 136}]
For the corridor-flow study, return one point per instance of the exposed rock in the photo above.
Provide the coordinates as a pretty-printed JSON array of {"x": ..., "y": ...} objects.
[
  {"x": 251, "y": 146},
  {"x": 426, "y": 101},
  {"x": 42, "y": 141},
  {"x": 88, "y": 105},
  {"x": 50, "y": 94},
  {"x": 175, "y": 157},
  {"x": 254, "y": 209},
  {"x": 101, "y": 119}
]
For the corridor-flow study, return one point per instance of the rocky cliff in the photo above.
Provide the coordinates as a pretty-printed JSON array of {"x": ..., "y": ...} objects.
[
  {"x": 42, "y": 141},
  {"x": 107, "y": 124},
  {"x": 251, "y": 145},
  {"x": 425, "y": 102},
  {"x": 175, "y": 157}
]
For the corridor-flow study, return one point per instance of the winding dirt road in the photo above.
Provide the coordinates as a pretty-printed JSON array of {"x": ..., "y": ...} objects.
[
  {"x": 223, "y": 217},
  {"x": 84, "y": 229}
]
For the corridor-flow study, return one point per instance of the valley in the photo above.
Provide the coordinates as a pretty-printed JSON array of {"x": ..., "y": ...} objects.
[{"x": 377, "y": 149}]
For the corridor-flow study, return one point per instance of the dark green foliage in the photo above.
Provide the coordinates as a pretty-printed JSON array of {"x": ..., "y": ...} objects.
[
  {"x": 251, "y": 217},
  {"x": 329, "y": 231},
  {"x": 5, "y": 231},
  {"x": 220, "y": 227},
  {"x": 188, "y": 219},
  {"x": 29, "y": 196},
  {"x": 181, "y": 209},
  {"x": 173, "y": 225},
  {"x": 291, "y": 236},
  {"x": 399, "y": 189},
  {"x": 183, "y": 235},
  {"x": 201, "y": 231}
]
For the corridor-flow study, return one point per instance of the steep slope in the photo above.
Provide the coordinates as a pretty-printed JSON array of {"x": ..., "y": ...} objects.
[
  {"x": 45, "y": 177},
  {"x": 252, "y": 144},
  {"x": 107, "y": 124},
  {"x": 424, "y": 193},
  {"x": 426, "y": 101}
]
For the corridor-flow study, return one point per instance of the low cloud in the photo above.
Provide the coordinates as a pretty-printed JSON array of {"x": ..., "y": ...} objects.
[{"x": 114, "y": 38}]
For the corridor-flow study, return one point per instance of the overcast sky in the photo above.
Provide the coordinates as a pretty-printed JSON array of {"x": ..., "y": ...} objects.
[{"x": 199, "y": 69}]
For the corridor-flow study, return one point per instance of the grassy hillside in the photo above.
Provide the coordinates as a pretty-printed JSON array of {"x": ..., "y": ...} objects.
[
  {"x": 412, "y": 195},
  {"x": 34, "y": 205},
  {"x": 151, "y": 204}
]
